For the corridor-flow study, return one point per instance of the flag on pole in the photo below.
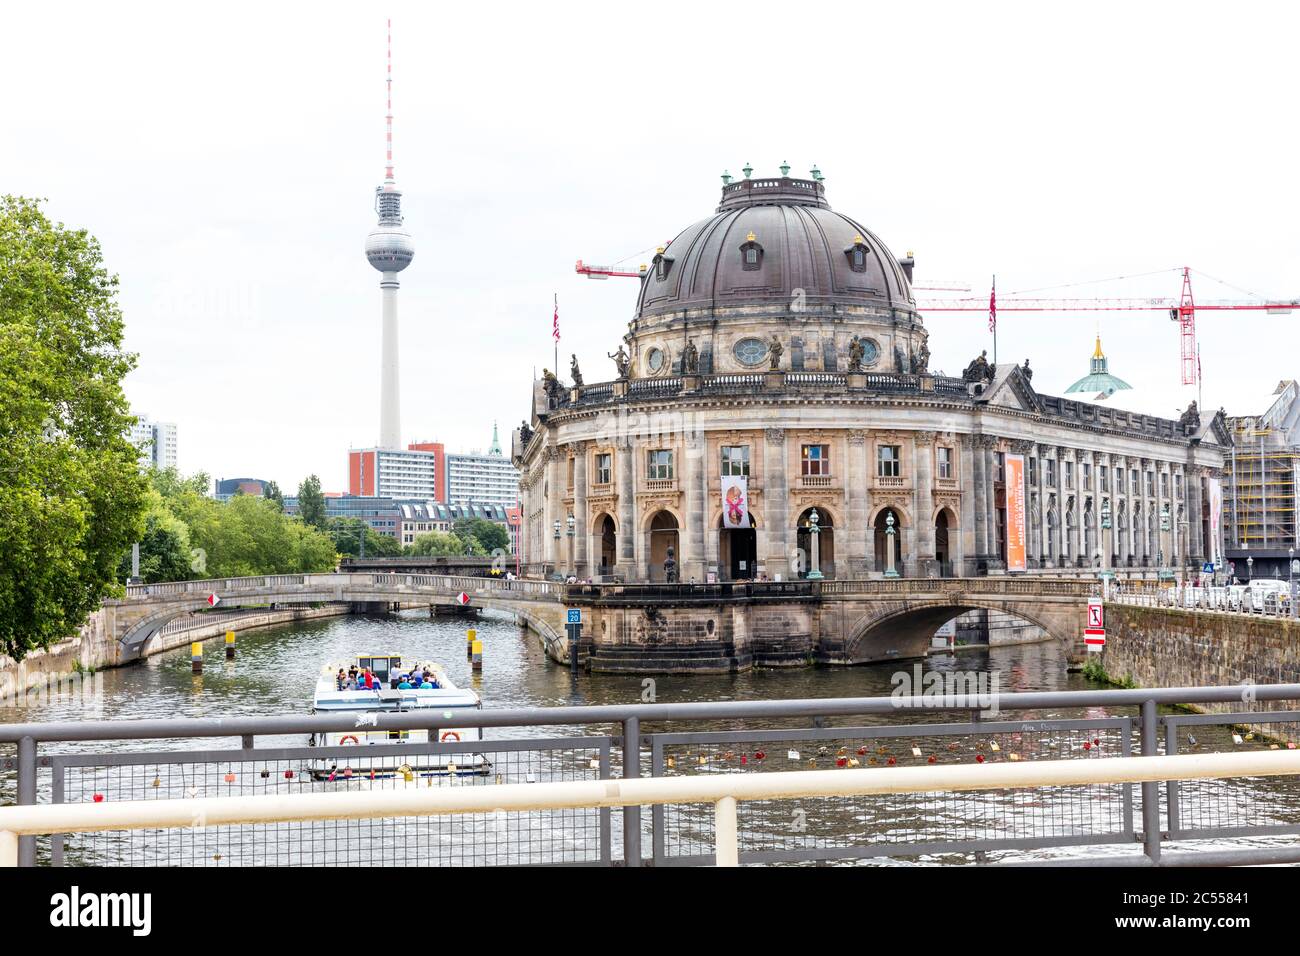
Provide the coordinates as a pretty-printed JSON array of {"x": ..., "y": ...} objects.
[
  {"x": 555, "y": 326},
  {"x": 993, "y": 306}
]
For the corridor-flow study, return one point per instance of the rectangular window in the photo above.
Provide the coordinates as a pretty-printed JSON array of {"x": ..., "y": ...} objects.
[
  {"x": 659, "y": 464},
  {"x": 1134, "y": 483},
  {"x": 1049, "y": 469},
  {"x": 1033, "y": 471},
  {"x": 1151, "y": 484},
  {"x": 1164, "y": 484},
  {"x": 604, "y": 469},
  {"x": 815, "y": 460},
  {"x": 735, "y": 460},
  {"x": 945, "y": 462},
  {"x": 1000, "y": 466},
  {"x": 1104, "y": 477},
  {"x": 1085, "y": 475},
  {"x": 1067, "y": 472},
  {"x": 1178, "y": 486},
  {"x": 887, "y": 460}
]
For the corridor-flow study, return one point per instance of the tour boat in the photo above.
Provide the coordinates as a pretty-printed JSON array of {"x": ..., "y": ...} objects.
[{"x": 370, "y": 762}]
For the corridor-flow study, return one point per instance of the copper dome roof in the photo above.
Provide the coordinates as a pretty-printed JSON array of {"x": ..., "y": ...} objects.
[{"x": 801, "y": 244}]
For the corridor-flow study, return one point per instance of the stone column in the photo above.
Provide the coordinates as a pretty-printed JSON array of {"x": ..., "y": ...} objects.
[
  {"x": 1119, "y": 495},
  {"x": 1195, "y": 535},
  {"x": 1176, "y": 537},
  {"x": 691, "y": 561},
  {"x": 776, "y": 504},
  {"x": 581, "y": 533},
  {"x": 1061, "y": 560},
  {"x": 625, "y": 478},
  {"x": 923, "y": 504},
  {"x": 1044, "y": 503},
  {"x": 554, "y": 506},
  {"x": 966, "y": 469},
  {"x": 979, "y": 492},
  {"x": 710, "y": 473},
  {"x": 990, "y": 503},
  {"x": 855, "y": 560}
]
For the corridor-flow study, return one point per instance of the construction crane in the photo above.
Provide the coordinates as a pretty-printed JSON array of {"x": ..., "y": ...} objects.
[
  {"x": 1181, "y": 310},
  {"x": 605, "y": 272}
]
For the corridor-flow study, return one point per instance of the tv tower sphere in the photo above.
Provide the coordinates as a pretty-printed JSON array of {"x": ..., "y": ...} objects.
[{"x": 389, "y": 247}]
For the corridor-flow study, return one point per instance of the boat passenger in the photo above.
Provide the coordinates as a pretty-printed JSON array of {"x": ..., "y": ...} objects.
[
  {"x": 352, "y": 672},
  {"x": 342, "y": 678},
  {"x": 370, "y": 680},
  {"x": 404, "y": 684}
]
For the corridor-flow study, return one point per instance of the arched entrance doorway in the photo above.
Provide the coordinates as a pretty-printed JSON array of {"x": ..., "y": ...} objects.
[
  {"x": 607, "y": 551},
  {"x": 944, "y": 521},
  {"x": 738, "y": 551},
  {"x": 662, "y": 535},
  {"x": 826, "y": 543},
  {"x": 880, "y": 526}
]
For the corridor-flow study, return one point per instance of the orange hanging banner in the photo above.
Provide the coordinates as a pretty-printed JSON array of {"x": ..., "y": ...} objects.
[{"x": 1015, "y": 476}]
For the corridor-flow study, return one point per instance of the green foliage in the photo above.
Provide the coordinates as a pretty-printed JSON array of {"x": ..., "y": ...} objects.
[
  {"x": 271, "y": 492},
  {"x": 245, "y": 535},
  {"x": 437, "y": 543},
  {"x": 71, "y": 493},
  {"x": 489, "y": 535},
  {"x": 165, "y": 546},
  {"x": 1095, "y": 670},
  {"x": 347, "y": 534},
  {"x": 311, "y": 502}
]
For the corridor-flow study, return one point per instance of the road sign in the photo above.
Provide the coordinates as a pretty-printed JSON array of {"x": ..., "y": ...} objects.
[
  {"x": 1096, "y": 614},
  {"x": 213, "y": 600},
  {"x": 573, "y": 615},
  {"x": 462, "y": 598},
  {"x": 1208, "y": 568}
]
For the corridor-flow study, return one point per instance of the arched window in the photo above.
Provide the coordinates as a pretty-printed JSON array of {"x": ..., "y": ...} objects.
[
  {"x": 857, "y": 254},
  {"x": 751, "y": 254}
]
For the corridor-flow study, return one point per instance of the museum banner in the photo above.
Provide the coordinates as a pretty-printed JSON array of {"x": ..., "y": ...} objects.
[
  {"x": 735, "y": 501},
  {"x": 1015, "y": 484}
]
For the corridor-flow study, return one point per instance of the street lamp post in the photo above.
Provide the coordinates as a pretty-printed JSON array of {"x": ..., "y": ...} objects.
[
  {"x": 571, "y": 524},
  {"x": 890, "y": 570},
  {"x": 814, "y": 546}
]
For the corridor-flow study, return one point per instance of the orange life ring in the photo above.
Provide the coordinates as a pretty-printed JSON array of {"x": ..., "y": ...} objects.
[
  {"x": 346, "y": 737},
  {"x": 449, "y": 733}
]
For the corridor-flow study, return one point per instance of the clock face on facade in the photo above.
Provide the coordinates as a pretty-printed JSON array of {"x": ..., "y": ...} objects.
[
  {"x": 750, "y": 351},
  {"x": 870, "y": 352},
  {"x": 654, "y": 361}
]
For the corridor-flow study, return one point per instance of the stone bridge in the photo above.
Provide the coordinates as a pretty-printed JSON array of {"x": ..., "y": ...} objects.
[
  {"x": 660, "y": 627},
  {"x": 146, "y": 608}
]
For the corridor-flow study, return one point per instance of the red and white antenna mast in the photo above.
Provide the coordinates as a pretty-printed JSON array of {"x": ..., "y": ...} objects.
[{"x": 388, "y": 167}]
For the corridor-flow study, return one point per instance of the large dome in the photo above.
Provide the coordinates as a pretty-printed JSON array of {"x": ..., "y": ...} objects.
[{"x": 769, "y": 239}]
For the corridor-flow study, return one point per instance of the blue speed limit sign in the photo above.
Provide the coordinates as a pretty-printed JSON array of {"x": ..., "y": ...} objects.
[{"x": 574, "y": 616}]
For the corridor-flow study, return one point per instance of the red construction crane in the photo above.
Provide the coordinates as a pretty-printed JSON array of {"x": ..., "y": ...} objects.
[
  {"x": 604, "y": 272},
  {"x": 1181, "y": 310}
]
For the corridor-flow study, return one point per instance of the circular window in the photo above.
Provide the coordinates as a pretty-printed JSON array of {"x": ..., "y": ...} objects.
[
  {"x": 870, "y": 352},
  {"x": 654, "y": 361},
  {"x": 750, "y": 351}
]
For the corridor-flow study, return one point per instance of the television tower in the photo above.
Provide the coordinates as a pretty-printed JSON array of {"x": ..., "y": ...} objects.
[{"x": 390, "y": 250}]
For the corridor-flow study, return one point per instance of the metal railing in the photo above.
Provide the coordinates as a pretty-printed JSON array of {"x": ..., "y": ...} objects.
[
  {"x": 724, "y": 793},
  {"x": 67, "y": 764},
  {"x": 1232, "y": 600}
]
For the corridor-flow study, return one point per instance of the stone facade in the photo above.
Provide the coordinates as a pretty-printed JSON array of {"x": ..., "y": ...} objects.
[{"x": 779, "y": 341}]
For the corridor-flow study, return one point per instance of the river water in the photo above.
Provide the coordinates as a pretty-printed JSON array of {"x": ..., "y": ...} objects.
[{"x": 276, "y": 671}]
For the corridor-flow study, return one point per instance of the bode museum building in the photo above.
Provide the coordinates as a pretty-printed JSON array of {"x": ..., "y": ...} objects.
[{"x": 774, "y": 416}]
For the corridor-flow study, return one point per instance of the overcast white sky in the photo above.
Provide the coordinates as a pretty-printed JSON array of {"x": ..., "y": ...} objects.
[{"x": 226, "y": 157}]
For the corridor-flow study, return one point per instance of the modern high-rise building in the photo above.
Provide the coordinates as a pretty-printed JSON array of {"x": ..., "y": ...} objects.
[
  {"x": 156, "y": 441},
  {"x": 491, "y": 478},
  {"x": 416, "y": 472},
  {"x": 389, "y": 249}
]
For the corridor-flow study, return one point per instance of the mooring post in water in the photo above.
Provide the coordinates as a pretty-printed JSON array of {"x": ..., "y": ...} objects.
[
  {"x": 470, "y": 636},
  {"x": 476, "y": 656},
  {"x": 230, "y": 645},
  {"x": 196, "y": 657}
]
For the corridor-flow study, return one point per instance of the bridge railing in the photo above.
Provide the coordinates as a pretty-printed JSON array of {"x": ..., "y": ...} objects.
[
  {"x": 1229, "y": 600},
  {"x": 355, "y": 580},
  {"x": 84, "y": 768}
]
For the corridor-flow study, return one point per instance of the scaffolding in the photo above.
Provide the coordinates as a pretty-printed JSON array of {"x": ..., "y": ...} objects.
[{"x": 1263, "y": 486}]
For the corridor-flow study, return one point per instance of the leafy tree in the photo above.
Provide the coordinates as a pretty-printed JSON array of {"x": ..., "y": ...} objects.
[
  {"x": 348, "y": 533},
  {"x": 437, "y": 543},
  {"x": 271, "y": 492},
  {"x": 489, "y": 535},
  {"x": 311, "y": 503},
  {"x": 164, "y": 548},
  {"x": 71, "y": 494}
]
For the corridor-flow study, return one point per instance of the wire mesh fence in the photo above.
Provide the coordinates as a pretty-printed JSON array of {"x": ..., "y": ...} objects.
[
  {"x": 499, "y": 838},
  {"x": 903, "y": 824}
]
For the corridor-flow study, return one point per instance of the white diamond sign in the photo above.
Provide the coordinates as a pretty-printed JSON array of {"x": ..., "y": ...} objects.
[
  {"x": 462, "y": 598},
  {"x": 213, "y": 600}
]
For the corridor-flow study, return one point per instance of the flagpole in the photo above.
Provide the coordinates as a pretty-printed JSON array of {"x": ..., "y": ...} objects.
[
  {"x": 556, "y": 334},
  {"x": 995, "y": 323}
]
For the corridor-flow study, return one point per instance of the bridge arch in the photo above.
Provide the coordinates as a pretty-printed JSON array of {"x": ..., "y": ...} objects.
[{"x": 900, "y": 630}]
